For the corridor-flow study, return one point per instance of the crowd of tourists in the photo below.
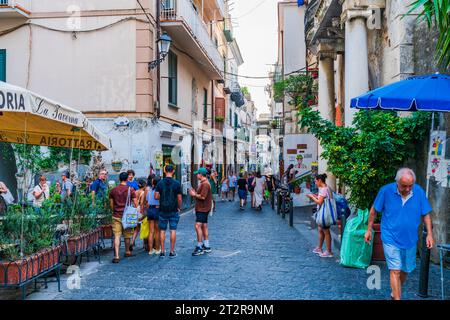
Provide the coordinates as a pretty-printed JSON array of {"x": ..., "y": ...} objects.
[{"x": 403, "y": 205}]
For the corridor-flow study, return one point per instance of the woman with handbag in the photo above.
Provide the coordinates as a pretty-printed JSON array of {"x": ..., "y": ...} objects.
[{"x": 324, "y": 229}]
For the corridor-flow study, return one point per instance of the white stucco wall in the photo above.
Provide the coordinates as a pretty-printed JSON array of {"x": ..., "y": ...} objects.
[
  {"x": 96, "y": 71},
  {"x": 294, "y": 37}
]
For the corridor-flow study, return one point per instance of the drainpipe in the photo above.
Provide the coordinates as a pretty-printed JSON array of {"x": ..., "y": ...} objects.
[
  {"x": 281, "y": 163},
  {"x": 212, "y": 117},
  {"x": 158, "y": 68}
]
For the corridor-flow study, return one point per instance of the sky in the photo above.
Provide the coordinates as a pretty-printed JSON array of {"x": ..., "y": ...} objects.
[{"x": 255, "y": 24}]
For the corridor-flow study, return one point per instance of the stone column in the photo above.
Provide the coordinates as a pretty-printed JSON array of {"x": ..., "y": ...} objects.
[
  {"x": 326, "y": 101},
  {"x": 356, "y": 59}
]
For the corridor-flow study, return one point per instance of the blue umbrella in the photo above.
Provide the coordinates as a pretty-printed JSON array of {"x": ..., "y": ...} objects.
[{"x": 424, "y": 93}]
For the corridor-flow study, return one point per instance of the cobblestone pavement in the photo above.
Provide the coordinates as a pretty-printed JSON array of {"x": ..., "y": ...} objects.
[{"x": 256, "y": 255}]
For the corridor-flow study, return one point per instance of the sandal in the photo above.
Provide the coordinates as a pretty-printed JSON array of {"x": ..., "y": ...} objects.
[{"x": 115, "y": 260}]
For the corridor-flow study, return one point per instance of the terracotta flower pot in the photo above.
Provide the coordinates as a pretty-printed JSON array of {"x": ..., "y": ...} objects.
[
  {"x": 378, "y": 252},
  {"x": 107, "y": 231},
  {"x": 18, "y": 271}
]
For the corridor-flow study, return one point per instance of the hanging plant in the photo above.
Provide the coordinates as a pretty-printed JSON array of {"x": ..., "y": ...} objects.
[{"x": 219, "y": 119}]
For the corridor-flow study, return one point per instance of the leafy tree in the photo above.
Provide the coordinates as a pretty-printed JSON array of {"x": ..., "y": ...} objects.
[
  {"x": 301, "y": 89},
  {"x": 365, "y": 157}
]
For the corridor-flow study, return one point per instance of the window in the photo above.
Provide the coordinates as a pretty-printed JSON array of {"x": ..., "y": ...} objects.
[
  {"x": 235, "y": 120},
  {"x": 205, "y": 104},
  {"x": 173, "y": 78},
  {"x": 231, "y": 117},
  {"x": 2, "y": 65}
]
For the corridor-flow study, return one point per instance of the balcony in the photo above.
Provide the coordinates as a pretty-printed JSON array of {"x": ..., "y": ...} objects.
[
  {"x": 13, "y": 9},
  {"x": 182, "y": 21},
  {"x": 322, "y": 21}
]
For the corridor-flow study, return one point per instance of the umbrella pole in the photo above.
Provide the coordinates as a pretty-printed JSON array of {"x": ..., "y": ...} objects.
[{"x": 425, "y": 252}]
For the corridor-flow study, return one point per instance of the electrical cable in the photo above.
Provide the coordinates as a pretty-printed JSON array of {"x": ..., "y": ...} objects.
[{"x": 148, "y": 17}]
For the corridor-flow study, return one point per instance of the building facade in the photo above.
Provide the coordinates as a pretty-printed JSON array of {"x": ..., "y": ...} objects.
[
  {"x": 94, "y": 56},
  {"x": 361, "y": 45}
]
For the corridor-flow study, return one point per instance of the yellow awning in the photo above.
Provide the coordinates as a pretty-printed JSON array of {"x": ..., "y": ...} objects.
[{"x": 26, "y": 117}]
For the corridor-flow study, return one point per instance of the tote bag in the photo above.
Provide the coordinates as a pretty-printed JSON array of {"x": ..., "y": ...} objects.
[
  {"x": 327, "y": 213},
  {"x": 130, "y": 214}
]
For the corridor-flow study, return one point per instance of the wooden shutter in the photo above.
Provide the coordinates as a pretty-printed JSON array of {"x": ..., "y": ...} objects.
[{"x": 2, "y": 65}]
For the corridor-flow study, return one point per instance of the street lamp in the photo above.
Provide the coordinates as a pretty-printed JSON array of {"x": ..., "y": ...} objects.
[{"x": 163, "y": 43}]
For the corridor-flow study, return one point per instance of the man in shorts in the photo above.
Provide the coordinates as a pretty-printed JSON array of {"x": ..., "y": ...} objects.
[
  {"x": 118, "y": 200},
  {"x": 403, "y": 205},
  {"x": 203, "y": 205},
  {"x": 168, "y": 192}
]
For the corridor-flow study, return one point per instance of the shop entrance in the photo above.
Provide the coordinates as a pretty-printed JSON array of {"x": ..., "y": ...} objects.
[{"x": 167, "y": 159}]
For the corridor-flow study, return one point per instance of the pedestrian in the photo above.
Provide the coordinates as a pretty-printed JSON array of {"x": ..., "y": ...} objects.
[
  {"x": 259, "y": 184},
  {"x": 87, "y": 186},
  {"x": 224, "y": 188},
  {"x": 66, "y": 186},
  {"x": 168, "y": 192},
  {"x": 98, "y": 187},
  {"x": 6, "y": 198},
  {"x": 118, "y": 198},
  {"x": 131, "y": 182},
  {"x": 152, "y": 205},
  {"x": 324, "y": 232},
  {"x": 41, "y": 192},
  {"x": 203, "y": 205},
  {"x": 251, "y": 189},
  {"x": 242, "y": 190},
  {"x": 232, "y": 182},
  {"x": 140, "y": 194},
  {"x": 213, "y": 183},
  {"x": 403, "y": 204}
]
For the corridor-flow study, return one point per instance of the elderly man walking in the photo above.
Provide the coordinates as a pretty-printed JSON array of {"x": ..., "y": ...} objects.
[{"x": 402, "y": 204}]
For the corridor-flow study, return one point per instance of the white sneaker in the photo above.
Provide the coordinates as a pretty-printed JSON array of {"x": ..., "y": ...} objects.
[
  {"x": 157, "y": 251},
  {"x": 152, "y": 252}
]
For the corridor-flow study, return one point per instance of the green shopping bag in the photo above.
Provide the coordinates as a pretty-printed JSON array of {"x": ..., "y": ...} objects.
[{"x": 355, "y": 252}]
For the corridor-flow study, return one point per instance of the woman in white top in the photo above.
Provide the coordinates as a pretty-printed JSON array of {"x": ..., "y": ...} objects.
[
  {"x": 6, "y": 197},
  {"x": 41, "y": 192},
  {"x": 260, "y": 184},
  {"x": 324, "y": 233}
]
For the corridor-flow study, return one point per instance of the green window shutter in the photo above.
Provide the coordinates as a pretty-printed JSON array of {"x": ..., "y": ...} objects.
[
  {"x": 2, "y": 65},
  {"x": 205, "y": 103},
  {"x": 173, "y": 78}
]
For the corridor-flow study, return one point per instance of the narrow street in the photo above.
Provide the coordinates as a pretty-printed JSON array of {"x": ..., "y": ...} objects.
[{"x": 256, "y": 255}]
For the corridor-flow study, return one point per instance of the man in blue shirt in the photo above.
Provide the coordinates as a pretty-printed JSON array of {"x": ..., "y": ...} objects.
[
  {"x": 98, "y": 187},
  {"x": 403, "y": 205},
  {"x": 131, "y": 182}
]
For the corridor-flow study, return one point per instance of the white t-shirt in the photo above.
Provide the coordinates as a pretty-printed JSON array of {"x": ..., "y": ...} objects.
[{"x": 38, "y": 202}]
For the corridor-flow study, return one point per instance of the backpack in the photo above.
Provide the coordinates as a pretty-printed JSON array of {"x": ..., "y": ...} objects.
[
  {"x": 342, "y": 206},
  {"x": 167, "y": 196}
]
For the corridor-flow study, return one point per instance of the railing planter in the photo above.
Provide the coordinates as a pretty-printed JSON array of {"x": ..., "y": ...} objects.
[
  {"x": 75, "y": 247},
  {"x": 19, "y": 273}
]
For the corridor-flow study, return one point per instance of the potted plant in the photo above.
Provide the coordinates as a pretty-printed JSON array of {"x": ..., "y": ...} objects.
[
  {"x": 219, "y": 119},
  {"x": 29, "y": 246},
  {"x": 116, "y": 165}
]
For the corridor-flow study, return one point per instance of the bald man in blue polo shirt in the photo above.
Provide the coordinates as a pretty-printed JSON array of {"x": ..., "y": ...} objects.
[{"x": 403, "y": 205}]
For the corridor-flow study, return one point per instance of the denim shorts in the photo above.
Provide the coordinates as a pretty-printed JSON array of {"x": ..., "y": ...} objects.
[
  {"x": 400, "y": 259},
  {"x": 153, "y": 214},
  {"x": 172, "y": 220},
  {"x": 242, "y": 194}
]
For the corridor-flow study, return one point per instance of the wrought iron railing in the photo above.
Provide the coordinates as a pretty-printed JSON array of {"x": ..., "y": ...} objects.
[{"x": 185, "y": 11}]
